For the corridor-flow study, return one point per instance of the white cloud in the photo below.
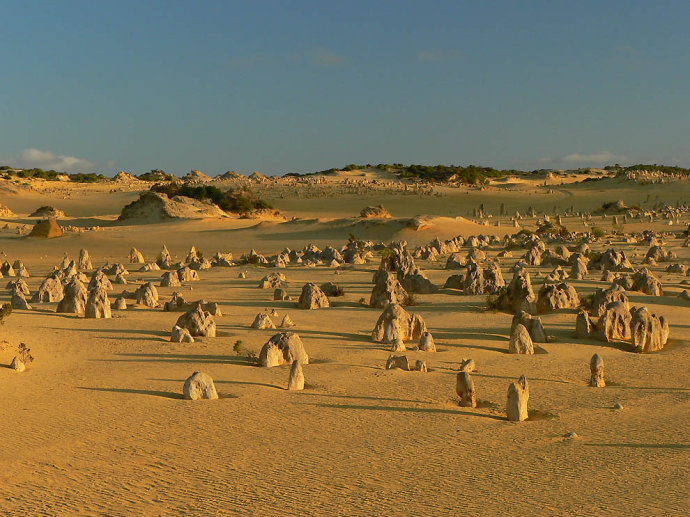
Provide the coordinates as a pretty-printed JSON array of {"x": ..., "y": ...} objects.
[
  {"x": 47, "y": 160},
  {"x": 324, "y": 57},
  {"x": 586, "y": 160}
]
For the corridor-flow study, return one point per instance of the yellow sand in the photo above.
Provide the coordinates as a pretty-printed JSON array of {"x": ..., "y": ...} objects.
[{"x": 97, "y": 426}]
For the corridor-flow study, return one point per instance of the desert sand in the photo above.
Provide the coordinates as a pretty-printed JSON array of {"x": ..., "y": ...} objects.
[{"x": 97, "y": 424}]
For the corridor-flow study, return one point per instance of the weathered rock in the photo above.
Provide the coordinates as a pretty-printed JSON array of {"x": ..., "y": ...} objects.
[
  {"x": 596, "y": 367},
  {"x": 17, "y": 364},
  {"x": 100, "y": 279},
  {"x": 455, "y": 261},
  {"x": 520, "y": 341},
  {"x": 281, "y": 295},
  {"x": 170, "y": 279},
  {"x": 18, "y": 301},
  {"x": 415, "y": 281},
  {"x": 74, "y": 300},
  {"x": 135, "y": 256},
  {"x": 614, "y": 323},
  {"x": 199, "y": 386},
  {"x": 18, "y": 285},
  {"x": 649, "y": 331},
  {"x": 464, "y": 387},
  {"x": 455, "y": 282},
  {"x": 263, "y": 321},
  {"x": 50, "y": 291},
  {"x": 557, "y": 296},
  {"x": 287, "y": 322},
  {"x": 199, "y": 322},
  {"x": 312, "y": 297},
  {"x": 283, "y": 348},
  {"x": 398, "y": 343},
  {"x": 147, "y": 295},
  {"x": 409, "y": 327},
  {"x": 420, "y": 366},
  {"x": 84, "y": 262},
  {"x": 164, "y": 259},
  {"x": 519, "y": 294},
  {"x": 120, "y": 304},
  {"x": 603, "y": 297},
  {"x": 332, "y": 289},
  {"x": 533, "y": 324},
  {"x": 272, "y": 281},
  {"x": 180, "y": 335},
  {"x": 47, "y": 229},
  {"x": 296, "y": 379},
  {"x": 397, "y": 361},
  {"x": 426, "y": 342},
  {"x": 474, "y": 279},
  {"x": 467, "y": 365},
  {"x": 647, "y": 283},
  {"x": 583, "y": 325},
  {"x": 387, "y": 290},
  {"x": 375, "y": 212},
  {"x": 493, "y": 278},
  {"x": 187, "y": 274},
  {"x": 518, "y": 397},
  {"x": 97, "y": 304}
]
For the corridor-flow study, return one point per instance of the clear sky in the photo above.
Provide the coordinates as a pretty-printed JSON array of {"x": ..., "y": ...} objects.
[{"x": 299, "y": 86}]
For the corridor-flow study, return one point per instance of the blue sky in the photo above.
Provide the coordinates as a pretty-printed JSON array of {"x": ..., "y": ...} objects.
[{"x": 301, "y": 86}]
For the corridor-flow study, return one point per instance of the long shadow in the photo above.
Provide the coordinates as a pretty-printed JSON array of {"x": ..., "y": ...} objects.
[
  {"x": 410, "y": 410},
  {"x": 342, "y": 335},
  {"x": 682, "y": 446},
  {"x": 513, "y": 378},
  {"x": 181, "y": 358},
  {"x": 164, "y": 394},
  {"x": 388, "y": 399},
  {"x": 622, "y": 387},
  {"x": 160, "y": 333},
  {"x": 479, "y": 347}
]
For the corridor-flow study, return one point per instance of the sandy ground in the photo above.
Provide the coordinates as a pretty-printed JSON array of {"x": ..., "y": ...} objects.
[{"x": 97, "y": 425}]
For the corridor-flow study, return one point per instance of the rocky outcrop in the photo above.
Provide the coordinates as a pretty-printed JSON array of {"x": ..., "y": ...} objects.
[
  {"x": 296, "y": 379},
  {"x": 520, "y": 341},
  {"x": 596, "y": 367},
  {"x": 464, "y": 387},
  {"x": 199, "y": 322},
  {"x": 155, "y": 206},
  {"x": 519, "y": 295},
  {"x": 396, "y": 322},
  {"x": 312, "y": 297},
  {"x": 97, "y": 304},
  {"x": 557, "y": 296},
  {"x": 603, "y": 297},
  {"x": 649, "y": 331},
  {"x": 518, "y": 397},
  {"x": 199, "y": 386},
  {"x": 74, "y": 300},
  {"x": 387, "y": 290},
  {"x": 533, "y": 324},
  {"x": 283, "y": 348}
]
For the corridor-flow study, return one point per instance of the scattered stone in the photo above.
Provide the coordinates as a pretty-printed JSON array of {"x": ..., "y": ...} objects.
[
  {"x": 533, "y": 324},
  {"x": 518, "y": 396},
  {"x": 312, "y": 297},
  {"x": 426, "y": 342},
  {"x": 467, "y": 365},
  {"x": 296, "y": 379},
  {"x": 47, "y": 229},
  {"x": 199, "y": 386},
  {"x": 283, "y": 348},
  {"x": 97, "y": 304},
  {"x": 199, "y": 322},
  {"x": 520, "y": 341},
  {"x": 409, "y": 327},
  {"x": 263, "y": 321},
  {"x": 397, "y": 361},
  {"x": 420, "y": 366},
  {"x": 464, "y": 387},
  {"x": 180, "y": 335},
  {"x": 596, "y": 367},
  {"x": 649, "y": 331}
]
